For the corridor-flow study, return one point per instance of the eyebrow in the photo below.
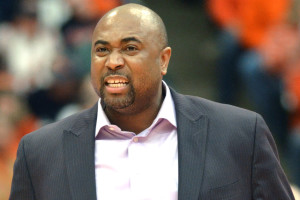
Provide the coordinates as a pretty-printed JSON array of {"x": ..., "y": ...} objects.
[
  {"x": 101, "y": 42},
  {"x": 124, "y": 40},
  {"x": 128, "y": 39}
]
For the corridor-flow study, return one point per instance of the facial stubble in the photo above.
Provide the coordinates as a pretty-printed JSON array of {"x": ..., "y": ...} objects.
[{"x": 116, "y": 101}]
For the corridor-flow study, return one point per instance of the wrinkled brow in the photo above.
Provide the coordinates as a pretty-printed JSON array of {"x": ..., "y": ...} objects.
[
  {"x": 101, "y": 42},
  {"x": 124, "y": 40},
  {"x": 128, "y": 39}
]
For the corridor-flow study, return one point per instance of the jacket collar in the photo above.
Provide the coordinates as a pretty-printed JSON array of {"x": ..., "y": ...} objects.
[
  {"x": 79, "y": 148},
  {"x": 192, "y": 131}
]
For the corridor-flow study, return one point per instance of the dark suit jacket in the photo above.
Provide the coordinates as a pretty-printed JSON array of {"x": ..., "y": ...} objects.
[{"x": 224, "y": 152}]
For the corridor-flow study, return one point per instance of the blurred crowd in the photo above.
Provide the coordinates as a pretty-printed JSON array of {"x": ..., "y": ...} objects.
[
  {"x": 44, "y": 67},
  {"x": 259, "y": 43},
  {"x": 45, "y": 61}
]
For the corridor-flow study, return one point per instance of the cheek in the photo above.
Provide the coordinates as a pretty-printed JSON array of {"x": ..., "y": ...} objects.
[
  {"x": 147, "y": 75},
  {"x": 94, "y": 80},
  {"x": 96, "y": 72}
]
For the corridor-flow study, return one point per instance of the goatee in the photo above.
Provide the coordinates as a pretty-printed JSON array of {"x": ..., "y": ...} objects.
[{"x": 116, "y": 102}]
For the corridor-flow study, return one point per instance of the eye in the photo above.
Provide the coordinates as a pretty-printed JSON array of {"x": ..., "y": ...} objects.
[
  {"x": 131, "y": 48},
  {"x": 102, "y": 51}
]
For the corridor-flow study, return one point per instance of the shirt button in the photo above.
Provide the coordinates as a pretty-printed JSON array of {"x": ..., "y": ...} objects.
[{"x": 135, "y": 139}]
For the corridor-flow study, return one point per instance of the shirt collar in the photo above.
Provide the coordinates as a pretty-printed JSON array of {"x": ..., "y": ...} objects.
[{"x": 167, "y": 111}]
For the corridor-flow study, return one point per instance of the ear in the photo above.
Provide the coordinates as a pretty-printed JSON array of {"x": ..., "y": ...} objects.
[{"x": 165, "y": 56}]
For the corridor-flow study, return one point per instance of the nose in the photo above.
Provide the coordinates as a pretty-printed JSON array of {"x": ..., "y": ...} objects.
[{"x": 115, "y": 61}]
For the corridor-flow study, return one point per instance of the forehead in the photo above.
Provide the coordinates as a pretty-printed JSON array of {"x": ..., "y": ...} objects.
[{"x": 118, "y": 25}]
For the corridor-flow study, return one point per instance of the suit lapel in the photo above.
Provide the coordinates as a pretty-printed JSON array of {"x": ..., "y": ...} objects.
[
  {"x": 192, "y": 136},
  {"x": 79, "y": 148}
]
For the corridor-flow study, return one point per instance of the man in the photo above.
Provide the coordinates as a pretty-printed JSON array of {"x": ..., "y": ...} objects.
[{"x": 143, "y": 140}]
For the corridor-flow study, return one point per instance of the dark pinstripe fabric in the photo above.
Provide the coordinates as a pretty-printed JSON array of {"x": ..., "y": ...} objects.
[{"x": 224, "y": 153}]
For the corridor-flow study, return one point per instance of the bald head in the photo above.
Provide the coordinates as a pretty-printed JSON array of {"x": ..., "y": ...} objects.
[{"x": 146, "y": 18}]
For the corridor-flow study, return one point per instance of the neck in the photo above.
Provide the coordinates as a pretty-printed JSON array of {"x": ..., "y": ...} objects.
[{"x": 141, "y": 119}]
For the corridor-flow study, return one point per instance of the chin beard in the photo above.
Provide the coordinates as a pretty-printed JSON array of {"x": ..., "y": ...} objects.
[{"x": 118, "y": 102}]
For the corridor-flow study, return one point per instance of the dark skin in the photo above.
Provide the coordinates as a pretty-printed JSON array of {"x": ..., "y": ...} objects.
[{"x": 129, "y": 59}]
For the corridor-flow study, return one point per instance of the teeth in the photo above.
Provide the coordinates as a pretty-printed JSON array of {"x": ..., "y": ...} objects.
[
  {"x": 115, "y": 85},
  {"x": 115, "y": 81}
]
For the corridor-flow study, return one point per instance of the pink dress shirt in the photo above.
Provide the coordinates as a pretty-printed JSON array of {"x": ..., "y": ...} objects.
[{"x": 138, "y": 167}]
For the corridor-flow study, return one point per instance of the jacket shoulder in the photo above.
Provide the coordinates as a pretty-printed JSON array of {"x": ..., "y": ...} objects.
[
  {"x": 216, "y": 110},
  {"x": 56, "y": 129}
]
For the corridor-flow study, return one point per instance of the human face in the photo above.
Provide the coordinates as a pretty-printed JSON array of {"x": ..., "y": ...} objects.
[{"x": 127, "y": 63}]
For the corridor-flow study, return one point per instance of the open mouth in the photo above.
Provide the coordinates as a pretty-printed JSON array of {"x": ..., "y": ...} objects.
[{"x": 116, "y": 81}]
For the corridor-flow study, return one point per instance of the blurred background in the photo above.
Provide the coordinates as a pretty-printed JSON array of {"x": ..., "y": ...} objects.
[{"x": 240, "y": 52}]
